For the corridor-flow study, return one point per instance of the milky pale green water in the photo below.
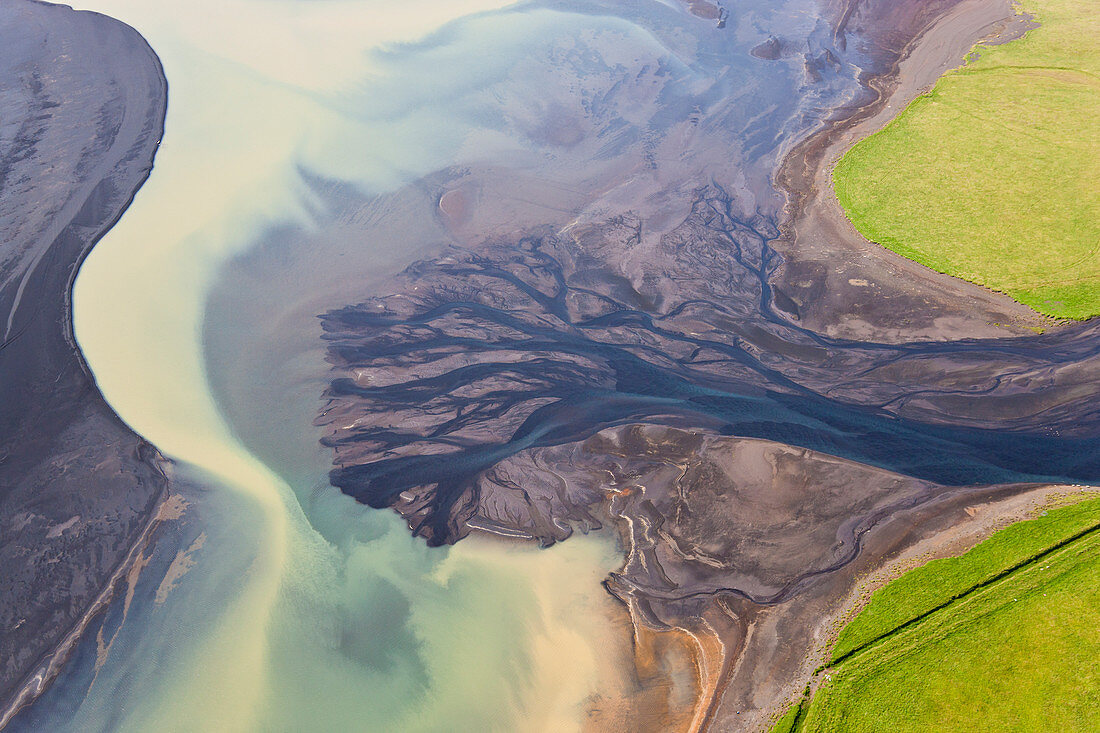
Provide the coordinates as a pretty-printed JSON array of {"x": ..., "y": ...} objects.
[{"x": 364, "y": 627}]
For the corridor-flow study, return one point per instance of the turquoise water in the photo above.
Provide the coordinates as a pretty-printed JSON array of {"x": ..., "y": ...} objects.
[
  {"x": 299, "y": 609},
  {"x": 366, "y": 628}
]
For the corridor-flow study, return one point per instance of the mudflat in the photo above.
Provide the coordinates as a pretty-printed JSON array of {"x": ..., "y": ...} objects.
[
  {"x": 84, "y": 102},
  {"x": 762, "y": 406},
  {"x": 535, "y": 383},
  {"x": 989, "y": 175},
  {"x": 839, "y": 282}
]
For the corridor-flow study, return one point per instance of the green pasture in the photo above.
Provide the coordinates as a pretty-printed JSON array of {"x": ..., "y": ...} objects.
[
  {"x": 1003, "y": 638},
  {"x": 993, "y": 175}
]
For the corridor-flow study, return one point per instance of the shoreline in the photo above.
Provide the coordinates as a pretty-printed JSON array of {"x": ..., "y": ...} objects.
[
  {"x": 981, "y": 520},
  {"x": 124, "y": 478},
  {"x": 814, "y": 223},
  {"x": 709, "y": 713},
  {"x": 47, "y": 670},
  {"x": 865, "y": 291},
  {"x": 796, "y": 636}
]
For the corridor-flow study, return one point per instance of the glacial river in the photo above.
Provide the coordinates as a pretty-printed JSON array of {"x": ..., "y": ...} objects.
[
  {"x": 362, "y": 627},
  {"x": 301, "y": 609},
  {"x": 303, "y": 143}
]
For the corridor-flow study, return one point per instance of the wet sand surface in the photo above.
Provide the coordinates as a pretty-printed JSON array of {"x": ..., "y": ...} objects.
[
  {"x": 543, "y": 381},
  {"x": 83, "y": 108},
  {"x": 634, "y": 307},
  {"x": 837, "y": 282}
]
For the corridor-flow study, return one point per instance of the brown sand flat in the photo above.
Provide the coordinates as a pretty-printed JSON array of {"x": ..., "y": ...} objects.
[{"x": 537, "y": 380}]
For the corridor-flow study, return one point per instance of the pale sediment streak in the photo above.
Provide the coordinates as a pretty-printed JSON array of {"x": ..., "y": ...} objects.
[{"x": 251, "y": 88}]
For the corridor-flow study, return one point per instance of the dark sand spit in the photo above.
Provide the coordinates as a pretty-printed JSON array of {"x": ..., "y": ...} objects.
[
  {"x": 765, "y": 408},
  {"x": 83, "y": 102}
]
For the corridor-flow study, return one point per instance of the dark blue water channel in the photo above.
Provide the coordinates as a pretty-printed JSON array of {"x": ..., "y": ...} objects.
[{"x": 594, "y": 359}]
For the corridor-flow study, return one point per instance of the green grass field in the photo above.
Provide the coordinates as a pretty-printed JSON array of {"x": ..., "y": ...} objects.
[
  {"x": 992, "y": 176},
  {"x": 1003, "y": 638},
  {"x": 788, "y": 723}
]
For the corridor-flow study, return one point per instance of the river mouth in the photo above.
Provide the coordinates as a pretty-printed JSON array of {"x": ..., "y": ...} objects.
[
  {"x": 496, "y": 253},
  {"x": 484, "y": 355},
  {"x": 531, "y": 334}
]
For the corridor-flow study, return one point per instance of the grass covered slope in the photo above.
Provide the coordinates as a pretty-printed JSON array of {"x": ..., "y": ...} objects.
[
  {"x": 938, "y": 582},
  {"x": 1015, "y": 649},
  {"x": 992, "y": 176}
]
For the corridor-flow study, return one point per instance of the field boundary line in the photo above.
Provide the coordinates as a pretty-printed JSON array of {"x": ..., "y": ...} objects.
[{"x": 1081, "y": 534}]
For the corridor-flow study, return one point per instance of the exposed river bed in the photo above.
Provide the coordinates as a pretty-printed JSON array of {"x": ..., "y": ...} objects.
[{"x": 516, "y": 272}]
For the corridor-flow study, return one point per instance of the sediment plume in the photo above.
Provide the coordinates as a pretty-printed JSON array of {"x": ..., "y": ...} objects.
[{"x": 760, "y": 424}]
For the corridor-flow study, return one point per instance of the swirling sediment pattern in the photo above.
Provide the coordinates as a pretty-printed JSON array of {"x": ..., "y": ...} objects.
[{"x": 539, "y": 245}]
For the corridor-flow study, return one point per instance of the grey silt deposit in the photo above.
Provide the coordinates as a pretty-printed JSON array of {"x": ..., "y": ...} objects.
[
  {"x": 667, "y": 370},
  {"x": 83, "y": 102}
]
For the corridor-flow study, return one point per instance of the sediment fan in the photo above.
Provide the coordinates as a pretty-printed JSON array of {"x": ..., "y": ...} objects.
[{"x": 646, "y": 315}]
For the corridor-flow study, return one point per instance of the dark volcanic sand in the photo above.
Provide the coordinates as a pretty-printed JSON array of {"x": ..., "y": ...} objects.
[
  {"x": 545, "y": 341},
  {"x": 556, "y": 379},
  {"x": 83, "y": 102},
  {"x": 836, "y": 281}
]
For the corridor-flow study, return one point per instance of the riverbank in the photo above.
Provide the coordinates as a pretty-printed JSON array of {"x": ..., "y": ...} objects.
[
  {"x": 862, "y": 290},
  {"x": 85, "y": 99},
  {"x": 924, "y": 638},
  {"x": 609, "y": 309},
  {"x": 169, "y": 508},
  {"x": 498, "y": 388},
  {"x": 941, "y": 529},
  {"x": 989, "y": 176},
  {"x": 842, "y": 284},
  {"x": 838, "y": 283}
]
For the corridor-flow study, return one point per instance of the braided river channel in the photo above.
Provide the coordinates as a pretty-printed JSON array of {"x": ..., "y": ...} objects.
[{"x": 388, "y": 253}]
